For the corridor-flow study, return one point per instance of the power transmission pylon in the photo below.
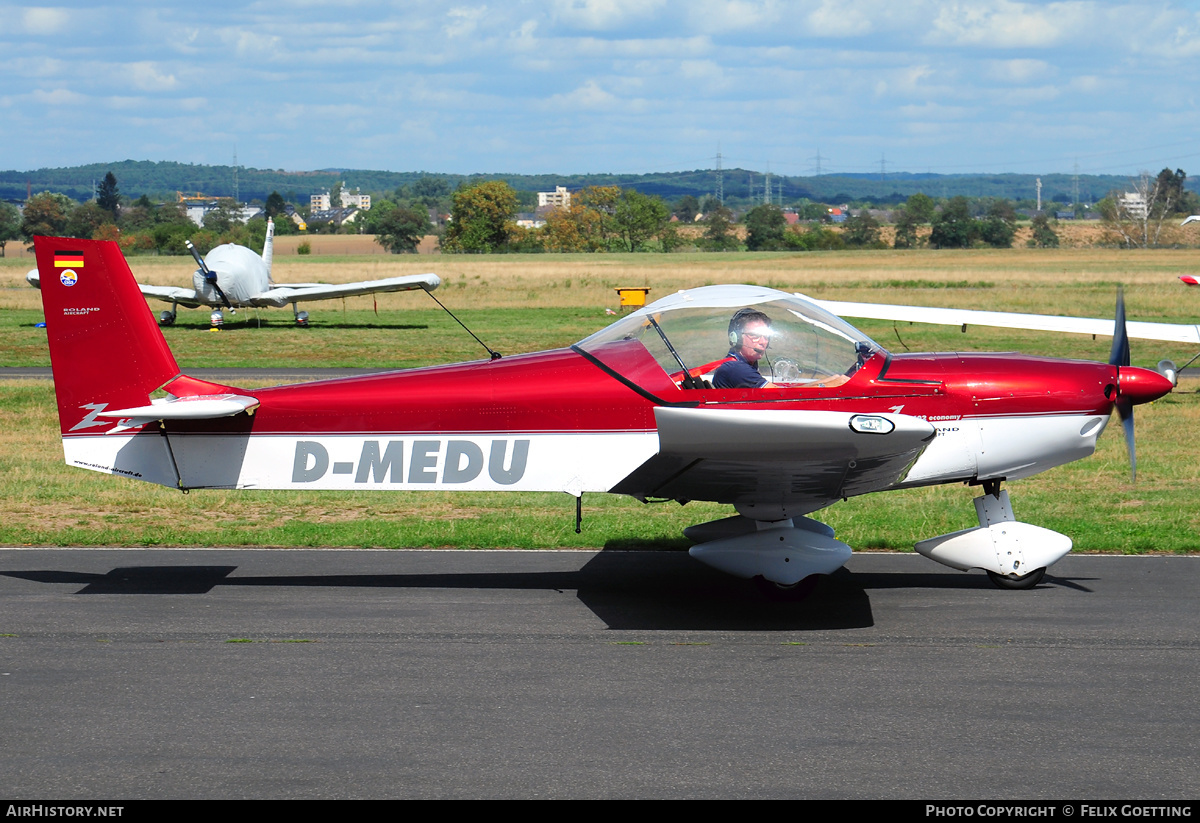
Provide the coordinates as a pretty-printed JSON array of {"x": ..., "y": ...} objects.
[{"x": 720, "y": 180}]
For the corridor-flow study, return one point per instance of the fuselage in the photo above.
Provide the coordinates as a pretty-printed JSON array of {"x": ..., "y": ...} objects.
[
  {"x": 241, "y": 274},
  {"x": 626, "y": 409},
  {"x": 563, "y": 420}
]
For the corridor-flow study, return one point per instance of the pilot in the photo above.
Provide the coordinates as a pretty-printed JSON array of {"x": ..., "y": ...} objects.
[{"x": 749, "y": 337}]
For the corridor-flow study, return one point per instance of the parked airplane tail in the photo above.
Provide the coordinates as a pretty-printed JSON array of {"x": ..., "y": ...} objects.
[
  {"x": 105, "y": 348},
  {"x": 269, "y": 248}
]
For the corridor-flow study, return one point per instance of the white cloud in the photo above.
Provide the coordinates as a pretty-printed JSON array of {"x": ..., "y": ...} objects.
[
  {"x": 905, "y": 80},
  {"x": 57, "y": 97},
  {"x": 525, "y": 36},
  {"x": 708, "y": 73},
  {"x": 45, "y": 20},
  {"x": 838, "y": 19},
  {"x": 251, "y": 43},
  {"x": 42, "y": 67},
  {"x": 594, "y": 47},
  {"x": 587, "y": 96},
  {"x": 121, "y": 103},
  {"x": 603, "y": 15},
  {"x": 929, "y": 112},
  {"x": 1029, "y": 96},
  {"x": 146, "y": 76},
  {"x": 1007, "y": 24},
  {"x": 718, "y": 17},
  {"x": 1020, "y": 71},
  {"x": 1183, "y": 42},
  {"x": 462, "y": 21}
]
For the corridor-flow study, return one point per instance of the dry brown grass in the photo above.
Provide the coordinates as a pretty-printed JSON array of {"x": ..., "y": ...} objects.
[{"x": 1054, "y": 281}]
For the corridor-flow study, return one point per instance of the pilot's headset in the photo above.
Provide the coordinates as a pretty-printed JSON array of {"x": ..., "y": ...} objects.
[{"x": 738, "y": 322}]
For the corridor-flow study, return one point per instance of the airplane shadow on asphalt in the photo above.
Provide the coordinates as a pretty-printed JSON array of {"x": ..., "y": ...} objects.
[{"x": 626, "y": 590}]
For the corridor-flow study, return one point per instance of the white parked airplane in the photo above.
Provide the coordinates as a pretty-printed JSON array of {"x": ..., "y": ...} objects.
[{"x": 233, "y": 277}]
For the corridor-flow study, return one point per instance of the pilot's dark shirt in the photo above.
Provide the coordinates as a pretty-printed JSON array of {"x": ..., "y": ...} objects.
[{"x": 737, "y": 374}]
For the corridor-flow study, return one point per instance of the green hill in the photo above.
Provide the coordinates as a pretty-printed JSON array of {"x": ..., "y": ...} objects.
[{"x": 163, "y": 179}]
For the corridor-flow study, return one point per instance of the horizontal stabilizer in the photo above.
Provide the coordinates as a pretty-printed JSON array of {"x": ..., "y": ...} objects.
[{"x": 205, "y": 407}]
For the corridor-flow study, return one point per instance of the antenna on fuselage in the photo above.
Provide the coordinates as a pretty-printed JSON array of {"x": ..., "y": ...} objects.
[{"x": 495, "y": 355}]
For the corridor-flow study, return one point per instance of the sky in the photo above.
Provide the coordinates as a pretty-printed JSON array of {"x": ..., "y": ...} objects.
[{"x": 595, "y": 86}]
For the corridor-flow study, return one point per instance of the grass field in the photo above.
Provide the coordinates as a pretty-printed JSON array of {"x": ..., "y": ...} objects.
[{"x": 523, "y": 303}]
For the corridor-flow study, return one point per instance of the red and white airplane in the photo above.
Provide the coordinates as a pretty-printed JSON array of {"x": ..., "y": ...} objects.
[
  {"x": 628, "y": 410},
  {"x": 232, "y": 277}
]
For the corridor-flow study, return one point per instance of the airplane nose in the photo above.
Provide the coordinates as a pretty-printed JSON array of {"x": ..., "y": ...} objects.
[{"x": 1138, "y": 386}]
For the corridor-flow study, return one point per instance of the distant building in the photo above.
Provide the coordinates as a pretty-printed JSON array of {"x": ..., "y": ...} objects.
[
  {"x": 530, "y": 220},
  {"x": 1133, "y": 204},
  {"x": 348, "y": 200},
  {"x": 356, "y": 200},
  {"x": 560, "y": 198},
  {"x": 197, "y": 210}
]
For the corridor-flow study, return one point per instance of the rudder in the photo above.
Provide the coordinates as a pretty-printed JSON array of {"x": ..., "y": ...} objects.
[{"x": 105, "y": 347}]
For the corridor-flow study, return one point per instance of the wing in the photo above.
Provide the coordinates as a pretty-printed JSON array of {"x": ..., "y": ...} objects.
[
  {"x": 171, "y": 294},
  {"x": 283, "y": 294},
  {"x": 1170, "y": 332},
  {"x": 802, "y": 460}
]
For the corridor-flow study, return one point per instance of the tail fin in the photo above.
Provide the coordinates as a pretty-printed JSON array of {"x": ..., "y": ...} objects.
[
  {"x": 269, "y": 247},
  {"x": 105, "y": 348}
]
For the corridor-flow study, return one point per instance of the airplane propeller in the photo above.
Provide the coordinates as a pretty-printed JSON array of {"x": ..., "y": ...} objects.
[
  {"x": 210, "y": 276},
  {"x": 1119, "y": 356}
]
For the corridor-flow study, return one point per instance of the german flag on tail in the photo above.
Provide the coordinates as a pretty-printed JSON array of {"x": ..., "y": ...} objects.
[{"x": 68, "y": 260}]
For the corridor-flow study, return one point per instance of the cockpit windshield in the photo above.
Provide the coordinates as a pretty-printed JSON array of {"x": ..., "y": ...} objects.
[{"x": 691, "y": 334}]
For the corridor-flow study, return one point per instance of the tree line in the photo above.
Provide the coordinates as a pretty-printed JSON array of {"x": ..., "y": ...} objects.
[
  {"x": 482, "y": 219},
  {"x": 743, "y": 188}
]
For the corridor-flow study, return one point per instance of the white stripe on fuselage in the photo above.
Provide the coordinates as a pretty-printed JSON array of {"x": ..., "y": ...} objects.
[
  {"x": 574, "y": 463},
  {"x": 966, "y": 448}
]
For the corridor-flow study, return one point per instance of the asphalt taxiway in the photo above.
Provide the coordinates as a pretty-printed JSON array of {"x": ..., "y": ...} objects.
[{"x": 324, "y": 674}]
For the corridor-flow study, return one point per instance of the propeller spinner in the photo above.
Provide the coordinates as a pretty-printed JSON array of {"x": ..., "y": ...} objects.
[{"x": 1134, "y": 385}]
